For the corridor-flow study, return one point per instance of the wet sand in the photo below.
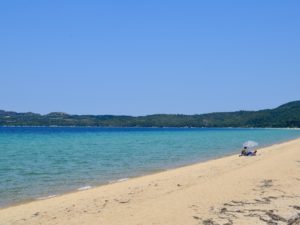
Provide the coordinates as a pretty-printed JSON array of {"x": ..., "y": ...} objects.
[{"x": 264, "y": 189}]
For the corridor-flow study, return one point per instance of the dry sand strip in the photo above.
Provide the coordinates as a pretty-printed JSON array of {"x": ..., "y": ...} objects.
[{"x": 264, "y": 189}]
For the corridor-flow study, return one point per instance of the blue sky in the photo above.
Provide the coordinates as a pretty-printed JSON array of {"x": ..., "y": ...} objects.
[{"x": 145, "y": 57}]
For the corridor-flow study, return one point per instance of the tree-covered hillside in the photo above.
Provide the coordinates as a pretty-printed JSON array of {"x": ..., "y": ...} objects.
[{"x": 287, "y": 115}]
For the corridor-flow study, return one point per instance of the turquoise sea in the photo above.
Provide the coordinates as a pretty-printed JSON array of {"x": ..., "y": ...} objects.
[{"x": 40, "y": 162}]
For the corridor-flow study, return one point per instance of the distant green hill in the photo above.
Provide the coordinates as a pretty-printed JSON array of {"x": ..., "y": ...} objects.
[{"x": 287, "y": 115}]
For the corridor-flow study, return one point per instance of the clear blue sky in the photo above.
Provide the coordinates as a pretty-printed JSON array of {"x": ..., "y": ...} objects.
[{"x": 145, "y": 57}]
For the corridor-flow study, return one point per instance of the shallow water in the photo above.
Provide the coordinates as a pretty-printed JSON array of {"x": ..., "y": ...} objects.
[{"x": 40, "y": 162}]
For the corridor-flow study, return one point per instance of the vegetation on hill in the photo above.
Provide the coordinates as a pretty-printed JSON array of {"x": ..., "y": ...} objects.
[{"x": 287, "y": 115}]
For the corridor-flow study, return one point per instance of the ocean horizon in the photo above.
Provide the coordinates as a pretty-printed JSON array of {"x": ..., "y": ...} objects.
[{"x": 41, "y": 162}]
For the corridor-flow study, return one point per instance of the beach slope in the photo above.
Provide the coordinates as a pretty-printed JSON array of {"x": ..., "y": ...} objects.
[{"x": 264, "y": 189}]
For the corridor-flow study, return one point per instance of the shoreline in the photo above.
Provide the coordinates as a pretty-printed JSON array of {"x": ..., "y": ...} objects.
[
  {"x": 143, "y": 174},
  {"x": 267, "y": 184}
]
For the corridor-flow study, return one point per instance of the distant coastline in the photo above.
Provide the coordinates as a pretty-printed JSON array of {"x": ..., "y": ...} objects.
[
  {"x": 284, "y": 116},
  {"x": 45, "y": 126}
]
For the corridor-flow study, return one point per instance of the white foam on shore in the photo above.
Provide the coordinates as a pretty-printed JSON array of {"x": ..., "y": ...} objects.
[
  {"x": 46, "y": 197},
  {"x": 117, "y": 181},
  {"x": 123, "y": 179},
  {"x": 84, "y": 188}
]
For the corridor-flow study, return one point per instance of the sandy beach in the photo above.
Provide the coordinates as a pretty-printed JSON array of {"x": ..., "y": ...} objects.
[{"x": 264, "y": 189}]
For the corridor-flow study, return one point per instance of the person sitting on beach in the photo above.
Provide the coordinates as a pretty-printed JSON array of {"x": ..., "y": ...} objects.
[{"x": 244, "y": 152}]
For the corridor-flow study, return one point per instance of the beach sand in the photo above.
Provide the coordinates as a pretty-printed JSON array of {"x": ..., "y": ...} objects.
[{"x": 264, "y": 189}]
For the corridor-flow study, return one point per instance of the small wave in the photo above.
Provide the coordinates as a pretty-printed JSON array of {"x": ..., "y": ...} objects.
[
  {"x": 123, "y": 179},
  {"x": 46, "y": 197},
  {"x": 117, "y": 181},
  {"x": 84, "y": 188}
]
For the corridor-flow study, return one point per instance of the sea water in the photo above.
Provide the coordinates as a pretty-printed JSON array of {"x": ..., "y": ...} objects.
[{"x": 47, "y": 161}]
